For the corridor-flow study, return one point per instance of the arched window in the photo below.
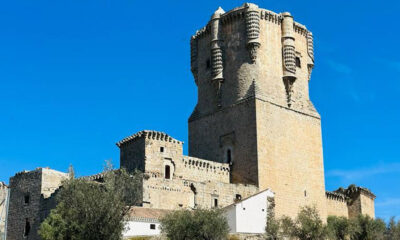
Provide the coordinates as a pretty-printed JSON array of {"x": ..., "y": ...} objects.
[
  {"x": 167, "y": 172},
  {"x": 229, "y": 156}
]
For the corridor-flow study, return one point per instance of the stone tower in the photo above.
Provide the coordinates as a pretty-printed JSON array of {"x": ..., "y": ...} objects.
[
  {"x": 31, "y": 199},
  {"x": 252, "y": 68}
]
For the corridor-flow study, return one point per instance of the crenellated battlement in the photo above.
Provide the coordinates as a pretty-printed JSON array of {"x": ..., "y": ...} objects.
[
  {"x": 336, "y": 196},
  {"x": 190, "y": 162},
  {"x": 240, "y": 13},
  {"x": 149, "y": 134}
]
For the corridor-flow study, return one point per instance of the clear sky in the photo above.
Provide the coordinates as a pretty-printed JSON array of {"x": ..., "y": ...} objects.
[{"x": 77, "y": 76}]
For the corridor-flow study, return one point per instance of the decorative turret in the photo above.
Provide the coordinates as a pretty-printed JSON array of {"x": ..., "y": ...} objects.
[{"x": 252, "y": 30}]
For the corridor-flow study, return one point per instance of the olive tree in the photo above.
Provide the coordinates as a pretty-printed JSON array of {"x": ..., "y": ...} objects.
[
  {"x": 93, "y": 210},
  {"x": 199, "y": 224}
]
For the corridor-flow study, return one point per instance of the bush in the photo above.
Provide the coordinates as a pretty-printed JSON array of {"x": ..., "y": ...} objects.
[
  {"x": 308, "y": 225},
  {"x": 93, "y": 210},
  {"x": 339, "y": 228},
  {"x": 392, "y": 230},
  {"x": 199, "y": 224},
  {"x": 367, "y": 228}
]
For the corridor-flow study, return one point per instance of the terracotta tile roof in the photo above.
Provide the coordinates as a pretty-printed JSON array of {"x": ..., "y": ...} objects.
[{"x": 147, "y": 214}]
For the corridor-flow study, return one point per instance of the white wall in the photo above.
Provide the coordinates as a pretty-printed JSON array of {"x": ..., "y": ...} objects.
[
  {"x": 140, "y": 228},
  {"x": 230, "y": 215},
  {"x": 250, "y": 215}
]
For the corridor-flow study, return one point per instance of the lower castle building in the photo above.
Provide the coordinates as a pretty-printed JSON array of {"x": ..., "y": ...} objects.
[{"x": 253, "y": 128}]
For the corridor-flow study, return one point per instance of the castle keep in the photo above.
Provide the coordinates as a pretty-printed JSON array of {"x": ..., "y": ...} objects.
[{"x": 254, "y": 127}]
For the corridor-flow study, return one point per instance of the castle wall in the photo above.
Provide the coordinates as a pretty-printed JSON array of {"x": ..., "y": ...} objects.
[
  {"x": 367, "y": 205},
  {"x": 225, "y": 193},
  {"x": 176, "y": 193},
  {"x": 132, "y": 155},
  {"x": 232, "y": 128},
  {"x": 336, "y": 206},
  {"x": 361, "y": 204},
  {"x": 200, "y": 170},
  {"x": 29, "y": 191},
  {"x": 290, "y": 158}
]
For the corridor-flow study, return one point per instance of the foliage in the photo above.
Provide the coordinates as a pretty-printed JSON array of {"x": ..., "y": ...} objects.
[
  {"x": 308, "y": 225},
  {"x": 340, "y": 228},
  {"x": 200, "y": 224},
  {"x": 392, "y": 230},
  {"x": 93, "y": 210},
  {"x": 367, "y": 228}
]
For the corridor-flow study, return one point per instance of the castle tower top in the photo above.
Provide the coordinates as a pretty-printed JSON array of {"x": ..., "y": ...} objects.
[{"x": 249, "y": 51}]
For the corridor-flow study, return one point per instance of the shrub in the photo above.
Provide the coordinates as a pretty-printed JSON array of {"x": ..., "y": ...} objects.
[
  {"x": 200, "y": 224},
  {"x": 93, "y": 210},
  {"x": 367, "y": 228},
  {"x": 339, "y": 228}
]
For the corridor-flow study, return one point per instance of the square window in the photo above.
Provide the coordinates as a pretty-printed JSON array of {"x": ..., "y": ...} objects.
[
  {"x": 152, "y": 226},
  {"x": 161, "y": 149}
]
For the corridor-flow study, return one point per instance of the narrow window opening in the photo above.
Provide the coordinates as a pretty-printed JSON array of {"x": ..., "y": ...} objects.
[
  {"x": 208, "y": 63},
  {"x": 229, "y": 156},
  {"x": 26, "y": 199},
  {"x": 298, "y": 63},
  {"x": 161, "y": 149},
  {"x": 215, "y": 202},
  {"x": 152, "y": 226},
  {"x": 27, "y": 227},
  {"x": 167, "y": 172},
  {"x": 305, "y": 193}
]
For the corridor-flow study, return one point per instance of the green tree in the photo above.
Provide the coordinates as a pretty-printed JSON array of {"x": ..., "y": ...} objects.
[
  {"x": 339, "y": 228},
  {"x": 367, "y": 228},
  {"x": 393, "y": 230},
  {"x": 93, "y": 210},
  {"x": 200, "y": 224},
  {"x": 307, "y": 226}
]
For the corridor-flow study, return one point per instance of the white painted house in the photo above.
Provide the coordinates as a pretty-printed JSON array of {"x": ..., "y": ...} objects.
[
  {"x": 249, "y": 215},
  {"x": 143, "y": 222}
]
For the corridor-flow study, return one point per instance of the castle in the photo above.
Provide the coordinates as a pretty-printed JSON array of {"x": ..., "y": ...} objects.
[{"x": 254, "y": 127}]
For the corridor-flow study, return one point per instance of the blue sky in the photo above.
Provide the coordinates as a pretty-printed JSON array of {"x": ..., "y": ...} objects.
[{"x": 77, "y": 76}]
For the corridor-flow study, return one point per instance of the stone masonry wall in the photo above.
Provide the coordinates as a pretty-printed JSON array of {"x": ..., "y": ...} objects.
[
  {"x": 29, "y": 191},
  {"x": 3, "y": 206},
  {"x": 24, "y": 185},
  {"x": 367, "y": 205},
  {"x": 200, "y": 170},
  {"x": 290, "y": 160},
  {"x": 336, "y": 206},
  {"x": 177, "y": 193},
  {"x": 152, "y": 155}
]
